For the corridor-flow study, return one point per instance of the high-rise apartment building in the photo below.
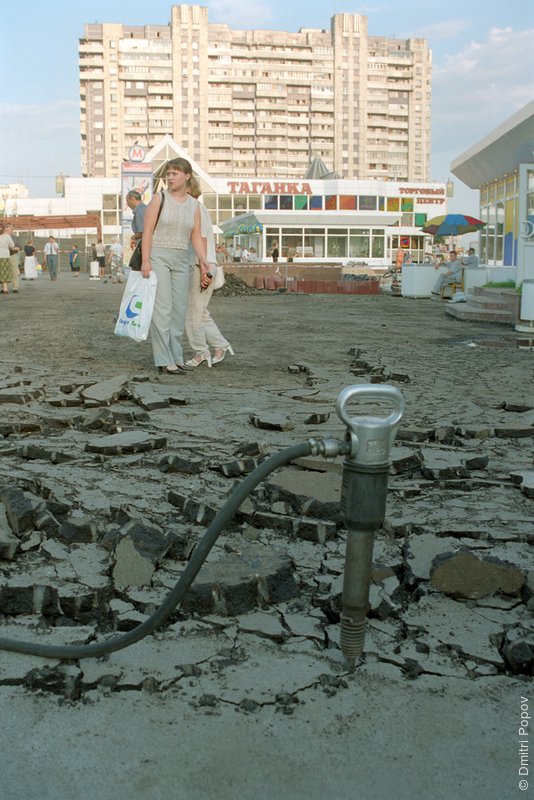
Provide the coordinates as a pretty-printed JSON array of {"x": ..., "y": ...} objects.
[{"x": 257, "y": 102}]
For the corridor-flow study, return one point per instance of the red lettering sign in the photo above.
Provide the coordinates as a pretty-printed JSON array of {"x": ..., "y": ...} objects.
[{"x": 264, "y": 187}]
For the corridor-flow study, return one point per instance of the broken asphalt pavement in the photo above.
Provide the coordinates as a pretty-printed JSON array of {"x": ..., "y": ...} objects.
[{"x": 109, "y": 475}]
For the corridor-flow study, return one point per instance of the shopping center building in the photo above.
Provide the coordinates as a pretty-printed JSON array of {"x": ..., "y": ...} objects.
[
  {"x": 501, "y": 167},
  {"x": 318, "y": 219}
]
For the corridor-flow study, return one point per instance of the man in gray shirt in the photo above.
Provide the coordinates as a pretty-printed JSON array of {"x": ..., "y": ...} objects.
[
  {"x": 471, "y": 259},
  {"x": 135, "y": 202},
  {"x": 453, "y": 275}
]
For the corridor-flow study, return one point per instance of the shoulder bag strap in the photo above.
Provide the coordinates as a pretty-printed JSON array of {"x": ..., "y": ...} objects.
[{"x": 160, "y": 209}]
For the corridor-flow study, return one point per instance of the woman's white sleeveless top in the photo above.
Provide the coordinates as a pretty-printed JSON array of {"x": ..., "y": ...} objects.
[{"x": 176, "y": 222}]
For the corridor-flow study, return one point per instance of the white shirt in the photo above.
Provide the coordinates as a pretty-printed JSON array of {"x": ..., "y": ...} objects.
[{"x": 51, "y": 249}]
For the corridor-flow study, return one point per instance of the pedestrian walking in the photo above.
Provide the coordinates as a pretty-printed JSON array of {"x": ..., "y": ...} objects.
[
  {"x": 51, "y": 253},
  {"x": 200, "y": 327},
  {"x": 164, "y": 250}
]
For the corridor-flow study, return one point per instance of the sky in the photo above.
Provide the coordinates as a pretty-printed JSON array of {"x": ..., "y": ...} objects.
[{"x": 483, "y": 70}]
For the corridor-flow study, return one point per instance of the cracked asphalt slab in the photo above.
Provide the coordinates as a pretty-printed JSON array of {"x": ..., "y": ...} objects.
[{"x": 109, "y": 475}]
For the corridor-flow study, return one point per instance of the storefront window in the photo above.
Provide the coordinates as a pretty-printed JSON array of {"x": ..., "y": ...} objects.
[
  {"x": 393, "y": 204},
  {"x": 109, "y": 217},
  {"x": 271, "y": 201},
  {"x": 254, "y": 201},
  {"x": 301, "y": 202},
  {"x": 225, "y": 201},
  {"x": 510, "y": 187},
  {"x": 286, "y": 202},
  {"x": 381, "y": 203},
  {"x": 347, "y": 202},
  {"x": 330, "y": 202},
  {"x": 109, "y": 201},
  {"x": 367, "y": 203},
  {"x": 407, "y": 220},
  {"x": 498, "y": 250},
  {"x": 209, "y": 200},
  {"x": 337, "y": 245},
  {"x": 379, "y": 246},
  {"x": 314, "y": 245},
  {"x": 490, "y": 235},
  {"x": 291, "y": 242},
  {"x": 500, "y": 219},
  {"x": 420, "y": 220},
  {"x": 407, "y": 204},
  {"x": 316, "y": 203},
  {"x": 359, "y": 243}
]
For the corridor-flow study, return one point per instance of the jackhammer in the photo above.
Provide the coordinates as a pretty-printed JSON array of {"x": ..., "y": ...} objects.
[{"x": 367, "y": 448}]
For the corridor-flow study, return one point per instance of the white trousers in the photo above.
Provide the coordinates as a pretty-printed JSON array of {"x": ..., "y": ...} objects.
[
  {"x": 201, "y": 329},
  {"x": 168, "y": 320}
]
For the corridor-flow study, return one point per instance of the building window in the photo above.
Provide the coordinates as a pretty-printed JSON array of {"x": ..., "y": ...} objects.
[
  {"x": 359, "y": 243},
  {"x": 330, "y": 202},
  {"x": 336, "y": 245}
]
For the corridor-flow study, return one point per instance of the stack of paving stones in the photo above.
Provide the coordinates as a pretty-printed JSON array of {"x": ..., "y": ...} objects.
[{"x": 106, "y": 487}]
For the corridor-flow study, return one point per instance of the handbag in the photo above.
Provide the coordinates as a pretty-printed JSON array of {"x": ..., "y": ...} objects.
[
  {"x": 137, "y": 307},
  {"x": 136, "y": 259}
]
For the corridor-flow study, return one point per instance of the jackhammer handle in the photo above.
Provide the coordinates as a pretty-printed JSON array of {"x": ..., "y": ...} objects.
[
  {"x": 370, "y": 392},
  {"x": 371, "y": 438}
]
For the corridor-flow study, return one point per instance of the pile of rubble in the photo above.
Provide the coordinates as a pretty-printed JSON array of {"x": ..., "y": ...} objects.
[{"x": 234, "y": 286}]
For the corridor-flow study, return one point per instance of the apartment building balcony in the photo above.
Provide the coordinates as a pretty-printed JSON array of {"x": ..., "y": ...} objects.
[
  {"x": 163, "y": 89},
  {"x": 222, "y": 103},
  {"x": 244, "y": 94},
  {"x": 91, "y": 48},
  {"x": 239, "y": 145},
  {"x": 160, "y": 103},
  {"x": 244, "y": 106},
  {"x": 149, "y": 74},
  {"x": 325, "y": 135},
  {"x": 378, "y": 122},
  {"x": 400, "y": 83},
  {"x": 395, "y": 59}
]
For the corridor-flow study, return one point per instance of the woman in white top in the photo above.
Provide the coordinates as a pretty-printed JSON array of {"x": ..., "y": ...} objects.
[
  {"x": 202, "y": 331},
  {"x": 165, "y": 250},
  {"x": 6, "y": 242}
]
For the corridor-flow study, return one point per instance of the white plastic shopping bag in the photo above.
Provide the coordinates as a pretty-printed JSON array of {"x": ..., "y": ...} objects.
[{"x": 135, "y": 314}]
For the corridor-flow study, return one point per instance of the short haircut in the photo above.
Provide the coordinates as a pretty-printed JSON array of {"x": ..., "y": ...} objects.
[{"x": 135, "y": 194}]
